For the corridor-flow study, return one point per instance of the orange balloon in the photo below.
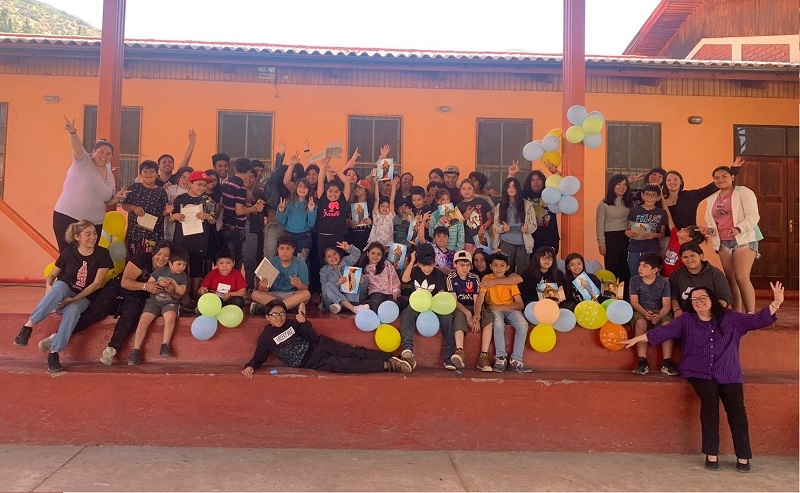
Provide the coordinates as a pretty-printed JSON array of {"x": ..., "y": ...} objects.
[{"x": 611, "y": 334}]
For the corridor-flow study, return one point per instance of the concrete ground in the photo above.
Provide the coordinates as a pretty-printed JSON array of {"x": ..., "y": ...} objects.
[{"x": 116, "y": 468}]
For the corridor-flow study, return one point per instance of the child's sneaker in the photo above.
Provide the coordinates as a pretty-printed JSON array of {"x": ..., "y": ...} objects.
[
  {"x": 641, "y": 367},
  {"x": 335, "y": 308},
  {"x": 448, "y": 365},
  {"x": 108, "y": 356},
  {"x": 164, "y": 351},
  {"x": 408, "y": 355},
  {"x": 23, "y": 336},
  {"x": 256, "y": 309},
  {"x": 458, "y": 358},
  {"x": 483, "y": 362},
  {"x": 133, "y": 359},
  {"x": 499, "y": 365},
  {"x": 397, "y": 364},
  {"x": 360, "y": 308},
  {"x": 669, "y": 368},
  {"x": 519, "y": 366},
  {"x": 47, "y": 343},
  {"x": 53, "y": 365}
]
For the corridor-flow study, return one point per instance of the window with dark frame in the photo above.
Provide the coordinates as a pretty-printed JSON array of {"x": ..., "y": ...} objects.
[
  {"x": 247, "y": 134},
  {"x": 368, "y": 134},
  {"x": 765, "y": 140},
  {"x": 499, "y": 143},
  {"x": 3, "y": 129},
  {"x": 127, "y": 149},
  {"x": 633, "y": 148}
]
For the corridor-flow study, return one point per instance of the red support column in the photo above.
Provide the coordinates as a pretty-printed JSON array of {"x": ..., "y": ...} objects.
[
  {"x": 112, "y": 46},
  {"x": 574, "y": 92}
]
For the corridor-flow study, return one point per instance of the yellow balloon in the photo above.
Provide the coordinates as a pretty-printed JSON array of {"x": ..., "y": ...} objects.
[
  {"x": 114, "y": 223},
  {"x": 556, "y": 131},
  {"x": 543, "y": 338},
  {"x": 111, "y": 275},
  {"x": 605, "y": 275},
  {"x": 120, "y": 238},
  {"x": 103, "y": 241},
  {"x": 552, "y": 181},
  {"x": 49, "y": 268},
  {"x": 387, "y": 338},
  {"x": 590, "y": 315},
  {"x": 119, "y": 266},
  {"x": 593, "y": 125},
  {"x": 553, "y": 158},
  {"x": 575, "y": 134}
]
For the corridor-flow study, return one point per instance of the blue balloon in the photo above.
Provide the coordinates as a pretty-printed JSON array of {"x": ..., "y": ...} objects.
[
  {"x": 553, "y": 208},
  {"x": 551, "y": 195},
  {"x": 619, "y": 312},
  {"x": 388, "y": 311},
  {"x": 593, "y": 266},
  {"x": 569, "y": 185},
  {"x": 428, "y": 323},
  {"x": 566, "y": 321},
  {"x": 367, "y": 320},
  {"x": 203, "y": 327},
  {"x": 529, "y": 313},
  {"x": 117, "y": 251},
  {"x": 561, "y": 265},
  {"x": 568, "y": 204}
]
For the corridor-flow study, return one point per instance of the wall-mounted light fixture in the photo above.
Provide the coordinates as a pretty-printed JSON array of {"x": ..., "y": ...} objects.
[
  {"x": 50, "y": 98},
  {"x": 695, "y": 120},
  {"x": 444, "y": 109}
]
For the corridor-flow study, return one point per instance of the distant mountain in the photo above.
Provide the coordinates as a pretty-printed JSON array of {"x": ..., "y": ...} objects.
[{"x": 30, "y": 16}]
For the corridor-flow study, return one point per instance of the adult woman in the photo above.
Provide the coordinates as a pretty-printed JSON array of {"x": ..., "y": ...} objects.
[
  {"x": 546, "y": 233},
  {"x": 514, "y": 221},
  {"x": 79, "y": 271},
  {"x": 710, "y": 362},
  {"x": 88, "y": 188},
  {"x": 732, "y": 223},
  {"x": 682, "y": 204},
  {"x": 695, "y": 272},
  {"x": 406, "y": 183},
  {"x": 655, "y": 176},
  {"x": 611, "y": 221}
]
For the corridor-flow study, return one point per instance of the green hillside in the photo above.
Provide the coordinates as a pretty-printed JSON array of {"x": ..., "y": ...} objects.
[{"x": 30, "y": 16}]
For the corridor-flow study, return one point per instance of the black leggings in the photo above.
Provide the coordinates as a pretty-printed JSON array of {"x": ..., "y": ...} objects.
[
  {"x": 110, "y": 302},
  {"x": 60, "y": 224},
  {"x": 338, "y": 357},
  {"x": 732, "y": 396}
]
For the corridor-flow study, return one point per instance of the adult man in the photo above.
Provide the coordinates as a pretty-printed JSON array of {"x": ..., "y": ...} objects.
[{"x": 451, "y": 183}]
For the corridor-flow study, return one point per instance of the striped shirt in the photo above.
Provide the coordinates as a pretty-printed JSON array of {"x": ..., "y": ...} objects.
[
  {"x": 233, "y": 192},
  {"x": 709, "y": 352},
  {"x": 85, "y": 192}
]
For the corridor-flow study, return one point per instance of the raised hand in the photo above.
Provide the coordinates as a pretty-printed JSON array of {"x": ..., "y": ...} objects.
[
  {"x": 69, "y": 126},
  {"x": 777, "y": 293},
  {"x": 306, "y": 145},
  {"x": 282, "y": 205},
  {"x": 514, "y": 168},
  {"x": 281, "y": 146},
  {"x": 356, "y": 155},
  {"x": 385, "y": 151},
  {"x": 295, "y": 159},
  {"x": 311, "y": 204},
  {"x": 343, "y": 245},
  {"x": 738, "y": 162},
  {"x": 123, "y": 192},
  {"x": 192, "y": 136}
]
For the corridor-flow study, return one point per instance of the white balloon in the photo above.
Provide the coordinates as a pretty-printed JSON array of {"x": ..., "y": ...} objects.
[
  {"x": 568, "y": 204},
  {"x": 533, "y": 150},
  {"x": 553, "y": 208},
  {"x": 569, "y": 186},
  {"x": 117, "y": 251},
  {"x": 551, "y": 195},
  {"x": 593, "y": 141},
  {"x": 576, "y": 114},
  {"x": 597, "y": 114},
  {"x": 550, "y": 143}
]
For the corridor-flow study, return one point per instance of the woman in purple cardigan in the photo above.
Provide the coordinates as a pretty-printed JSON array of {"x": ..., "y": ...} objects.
[{"x": 710, "y": 362}]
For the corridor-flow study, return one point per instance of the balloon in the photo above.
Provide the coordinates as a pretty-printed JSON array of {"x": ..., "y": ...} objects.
[
  {"x": 114, "y": 223},
  {"x": 606, "y": 303},
  {"x": 420, "y": 300},
  {"x": 566, "y": 321},
  {"x": 574, "y": 134},
  {"x": 388, "y": 311},
  {"x": 119, "y": 266},
  {"x": 551, "y": 143},
  {"x": 387, "y": 338},
  {"x": 529, "y": 314},
  {"x": 367, "y": 320},
  {"x": 112, "y": 273},
  {"x": 593, "y": 266},
  {"x": 103, "y": 242},
  {"x": 553, "y": 158},
  {"x": 552, "y": 181},
  {"x": 593, "y": 141},
  {"x": 561, "y": 265},
  {"x": 551, "y": 195},
  {"x": 230, "y": 316},
  {"x": 533, "y": 150},
  {"x": 576, "y": 114},
  {"x": 556, "y": 131},
  {"x": 590, "y": 315},
  {"x": 204, "y": 327},
  {"x": 605, "y": 275},
  {"x": 554, "y": 208},
  {"x": 120, "y": 237},
  {"x": 543, "y": 338},
  {"x": 546, "y": 311},
  {"x": 568, "y": 204},
  {"x": 117, "y": 251},
  {"x": 619, "y": 312},
  {"x": 597, "y": 114},
  {"x": 610, "y": 334},
  {"x": 444, "y": 303},
  {"x": 569, "y": 185},
  {"x": 209, "y": 305},
  {"x": 49, "y": 268},
  {"x": 592, "y": 125},
  {"x": 428, "y": 323}
]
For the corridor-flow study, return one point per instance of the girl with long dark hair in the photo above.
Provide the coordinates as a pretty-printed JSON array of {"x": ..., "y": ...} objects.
[{"x": 514, "y": 222}]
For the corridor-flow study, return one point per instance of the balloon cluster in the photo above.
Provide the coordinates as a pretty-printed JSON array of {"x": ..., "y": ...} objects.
[
  {"x": 547, "y": 318},
  {"x": 386, "y": 336},
  {"x": 210, "y": 307},
  {"x": 548, "y": 149},
  {"x": 586, "y": 126},
  {"x": 558, "y": 194},
  {"x": 428, "y": 306},
  {"x": 113, "y": 238}
]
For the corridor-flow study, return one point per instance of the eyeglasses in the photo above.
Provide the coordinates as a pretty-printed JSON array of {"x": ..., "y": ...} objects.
[
  {"x": 277, "y": 314},
  {"x": 649, "y": 194},
  {"x": 700, "y": 299}
]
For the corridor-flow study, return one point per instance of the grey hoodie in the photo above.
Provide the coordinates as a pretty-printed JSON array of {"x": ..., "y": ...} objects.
[{"x": 682, "y": 281}]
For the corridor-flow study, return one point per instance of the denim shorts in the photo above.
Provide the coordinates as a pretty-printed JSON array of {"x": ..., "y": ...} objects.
[{"x": 729, "y": 246}]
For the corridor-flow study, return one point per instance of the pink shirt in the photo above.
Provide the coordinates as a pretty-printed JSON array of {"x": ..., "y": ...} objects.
[
  {"x": 387, "y": 282},
  {"x": 723, "y": 216}
]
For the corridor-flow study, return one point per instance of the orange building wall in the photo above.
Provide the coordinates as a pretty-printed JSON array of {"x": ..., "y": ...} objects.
[{"x": 38, "y": 152}]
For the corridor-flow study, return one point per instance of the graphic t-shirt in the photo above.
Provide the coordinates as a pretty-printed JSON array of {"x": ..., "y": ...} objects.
[
  {"x": 464, "y": 289},
  {"x": 162, "y": 272},
  {"x": 331, "y": 216},
  {"x": 434, "y": 282},
  {"x": 672, "y": 259},
  {"x": 234, "y": 281},
  {"x": 646, "y": 221},
  {"x": 79, "y": 271},
  {"x": 480, "y": 208}
]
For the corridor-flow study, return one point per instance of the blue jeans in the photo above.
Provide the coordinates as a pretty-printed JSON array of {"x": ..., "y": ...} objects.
[
  {"x": 271, "y": 233},
  {"x": 331, "y": 294},
  {"x": 70, "y": 313},
  {"x": 633, "y": 262},
  {"x": 408, "y": 324},
  {"x": 517, "y": 320},
  {"x": 302, "y": 244}
]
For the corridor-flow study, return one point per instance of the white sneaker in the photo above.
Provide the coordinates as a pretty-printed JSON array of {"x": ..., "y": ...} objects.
[
  {"x": 335, "y": 308},
  {"x": 47, "y": 343},
  {"x": 359, "y": 308},
  {"x": 108, "y": 356}
]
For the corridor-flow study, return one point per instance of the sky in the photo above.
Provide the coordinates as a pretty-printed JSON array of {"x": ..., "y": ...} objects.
[{"x": 499, "y": 25}]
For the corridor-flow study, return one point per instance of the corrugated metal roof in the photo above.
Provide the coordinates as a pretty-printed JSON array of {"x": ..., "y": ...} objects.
[{"x": 379, "y": 53}]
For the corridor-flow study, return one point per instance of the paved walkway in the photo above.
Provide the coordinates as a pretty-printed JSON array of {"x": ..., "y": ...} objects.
[{"x": 115, "y": 468}]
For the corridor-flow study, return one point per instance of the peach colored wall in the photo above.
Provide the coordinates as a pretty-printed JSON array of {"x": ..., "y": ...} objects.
[{"x": 38, "y": 150}]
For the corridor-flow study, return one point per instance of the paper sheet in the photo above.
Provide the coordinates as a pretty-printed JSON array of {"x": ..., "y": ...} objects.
[
  {"x": 148, "y": 221},
  {"x": 266, "y": 270},
  {"x": 190, "y": 224}
]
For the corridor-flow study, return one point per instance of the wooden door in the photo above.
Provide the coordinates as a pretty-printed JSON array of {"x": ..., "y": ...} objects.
[{"x": 775, "y": 183}]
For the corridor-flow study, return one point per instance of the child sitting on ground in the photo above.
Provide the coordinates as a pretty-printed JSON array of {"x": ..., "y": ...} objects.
[
  {"x": 334, "y": 274},
  {"x": 173, "y": 280},
  {"x": 382, "y": 281},
  {"x": 505, "y": 304},
  {"x": 650, "y": 299},
  {"x": 224, "y": 281}
]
